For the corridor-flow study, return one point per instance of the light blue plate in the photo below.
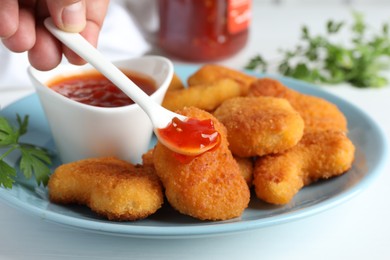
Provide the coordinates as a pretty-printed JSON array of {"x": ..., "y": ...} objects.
[{"x": 167, "y": 223}]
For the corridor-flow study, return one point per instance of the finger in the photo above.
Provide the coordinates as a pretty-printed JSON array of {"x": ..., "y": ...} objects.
[
  {"x": 96, "y": 12},
  {"x": 9, "y": 17},
  {"x": 23, "y": 38},
  {"x": 68, "y": 15},
  {"x": 90, "y": 33},
  {"x": 47, "y": 51}
]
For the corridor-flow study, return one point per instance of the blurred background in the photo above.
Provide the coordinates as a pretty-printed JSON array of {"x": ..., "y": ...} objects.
[{"x": 131, "y": 28}]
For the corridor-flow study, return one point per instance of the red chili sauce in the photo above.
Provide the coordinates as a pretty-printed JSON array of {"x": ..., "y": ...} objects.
[
  {"x": 92, "y": 88},
  {"x": 192, "y": 134}
]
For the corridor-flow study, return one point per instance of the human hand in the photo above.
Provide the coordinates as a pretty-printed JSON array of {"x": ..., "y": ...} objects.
[{"x": 22, "y": 29}]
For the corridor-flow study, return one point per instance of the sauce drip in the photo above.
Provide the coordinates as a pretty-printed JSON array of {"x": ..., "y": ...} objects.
[
  {"x": 92, "y": 88},
  {"x": 192, "y": 135}
]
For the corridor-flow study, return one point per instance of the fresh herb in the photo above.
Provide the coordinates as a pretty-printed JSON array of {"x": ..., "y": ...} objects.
[
  {"x": 34, "y": 160},
  {"x": 319, "y": 59}
]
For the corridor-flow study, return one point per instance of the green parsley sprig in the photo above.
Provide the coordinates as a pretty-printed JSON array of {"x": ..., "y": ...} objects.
[
  {"x": 34, "y": 160},
  {"x": 319, "y": 59}
]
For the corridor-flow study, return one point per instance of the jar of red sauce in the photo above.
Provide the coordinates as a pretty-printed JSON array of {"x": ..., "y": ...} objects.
[{"x": 203, "y": 30}]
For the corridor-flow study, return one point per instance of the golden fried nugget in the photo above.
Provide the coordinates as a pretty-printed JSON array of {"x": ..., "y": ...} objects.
[
  {"x": 207, "y": 187},
  {"x": 260, "y": 125},
  {"x": 246, "y": 168},
  {"x": 111, "y": 187},
  {"x": 319, "y": 155},
  {"x": 176, "y": 83},
  {"x": 147, "y": 158},
  {"x": 317, "y": 113},
  {"x": 210, "y": 73},
  {"x": 206, "y": 97}
]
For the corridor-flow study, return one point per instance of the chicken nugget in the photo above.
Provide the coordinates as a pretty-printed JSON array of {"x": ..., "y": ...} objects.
[
  {"x": 317, "y": 113},
  {"x": 319, "y": 155},
  {"x": 113, "y": 188},
  {"x": 147, "y": 158},
  {"x": 246, "y": 168},
  {"x": 209, "y": 186},
  {"x": 176, "y": 83},
  {"x": 206, "y": 96},
  {"x": 210, "y": 73},
  {"x": 260, "y": 125}
]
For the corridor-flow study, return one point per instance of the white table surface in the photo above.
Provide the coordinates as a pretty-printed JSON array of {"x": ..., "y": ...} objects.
[{"x": 357, "y": 229}]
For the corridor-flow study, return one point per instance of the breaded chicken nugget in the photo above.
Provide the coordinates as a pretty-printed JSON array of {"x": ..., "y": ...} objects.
[
  {"x": 319, "y": 155},
  {"x": 176, "y": 83},
  {"x": 317, "y": 113},
  {"x": 147, "y": 158},
  {"x": 111, "y": 187},
  {"x": 246, "y": 168},
  {"x": 260, "y": 125},
  {"x": 206, "y": 96},
  {"x": 209, "y": 186},
  {"x": 210, "y": 73}
]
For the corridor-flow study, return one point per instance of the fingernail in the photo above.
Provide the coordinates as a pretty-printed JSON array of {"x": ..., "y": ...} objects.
[{"x": 73, "y": 17}]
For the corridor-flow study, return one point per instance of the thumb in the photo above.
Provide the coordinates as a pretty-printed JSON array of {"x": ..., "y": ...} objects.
[{"x": 68, "y": 15}]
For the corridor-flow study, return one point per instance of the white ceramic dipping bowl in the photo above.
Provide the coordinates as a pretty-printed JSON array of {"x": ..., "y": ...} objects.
[{"x": 84, "y": 131}]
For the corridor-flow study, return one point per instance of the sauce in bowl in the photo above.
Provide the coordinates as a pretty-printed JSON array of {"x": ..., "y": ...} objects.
[{"x": 93, "y": 88}]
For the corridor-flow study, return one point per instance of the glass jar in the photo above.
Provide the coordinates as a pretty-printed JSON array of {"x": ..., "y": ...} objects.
[{"x": 203, "y": 30}]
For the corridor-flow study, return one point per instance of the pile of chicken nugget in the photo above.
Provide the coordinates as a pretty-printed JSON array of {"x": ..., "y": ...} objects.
[{"x": 274, "y": 141}]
